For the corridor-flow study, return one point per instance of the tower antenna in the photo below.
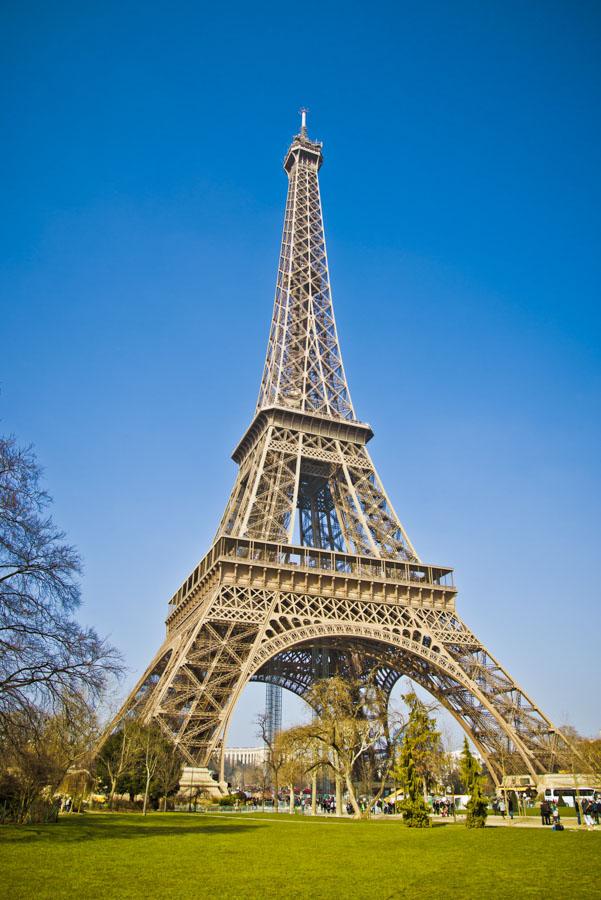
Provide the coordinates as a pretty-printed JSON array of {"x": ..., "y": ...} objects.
[{"x": 303, "y": 112}]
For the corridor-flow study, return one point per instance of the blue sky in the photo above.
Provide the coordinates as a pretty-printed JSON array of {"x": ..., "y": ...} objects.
[{"x": 143, "y": 201}]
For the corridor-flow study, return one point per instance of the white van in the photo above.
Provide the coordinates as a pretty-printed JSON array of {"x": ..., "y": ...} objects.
[{"x": 565, "y": 796}]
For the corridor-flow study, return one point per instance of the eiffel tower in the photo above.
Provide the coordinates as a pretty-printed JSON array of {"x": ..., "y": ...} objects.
[{"x": 311, "y": 571}]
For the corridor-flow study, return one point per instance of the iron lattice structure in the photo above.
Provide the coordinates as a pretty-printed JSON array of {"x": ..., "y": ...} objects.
[
  {"x": 311, "y": 571},
  {"x": 273, "y": 711}
]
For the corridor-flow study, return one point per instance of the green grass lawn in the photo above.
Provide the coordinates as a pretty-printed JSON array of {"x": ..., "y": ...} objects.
[{"x": 176, "y": 855}]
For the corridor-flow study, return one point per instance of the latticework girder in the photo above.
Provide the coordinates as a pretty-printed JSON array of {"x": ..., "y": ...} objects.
[
  {"x": 303, "y": 367},
  {"x": 269, "y": 635},
  {"x": 289, "y": 478},
  {"x": 311, "y": 571}
]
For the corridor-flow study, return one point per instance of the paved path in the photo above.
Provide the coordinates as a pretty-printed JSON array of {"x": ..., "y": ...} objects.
[
  {"x": 568, "y": 822},
  {"x": 492, "y": 821}
]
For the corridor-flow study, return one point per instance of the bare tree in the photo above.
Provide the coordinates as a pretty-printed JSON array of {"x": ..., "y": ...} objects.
[
  {"x": 275, "y": 755},
  {"x": 78, "y": 784},
  {"x": 117, "y": 756},
  {"x": 168, "y": 772},
  {"x": 47, "y": 660},
  {"x": 152, "y": 750},
  {"x": 353, "y": 719},
  {"x": 38, "y": 751},
  {"x": 294, "y": 749},
  {"x": 586, "y": 752},
  {"x": 313, "y": 754}
]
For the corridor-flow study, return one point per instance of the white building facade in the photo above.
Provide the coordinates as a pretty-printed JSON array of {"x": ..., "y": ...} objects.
[{"x": 245, "y": 756}]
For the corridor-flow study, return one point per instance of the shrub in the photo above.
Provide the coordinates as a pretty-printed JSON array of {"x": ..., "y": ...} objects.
[
  {"x": 415, "y": 813},
  {"x": 477, "y": 807}
]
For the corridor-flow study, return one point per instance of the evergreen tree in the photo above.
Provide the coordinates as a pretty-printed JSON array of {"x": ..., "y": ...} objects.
[
  {"x": 477, "y": 807},
  {"x": 420, "y": 739},
  {"x": 424, "y": 739},
  {"x": 413, "y": 806}
]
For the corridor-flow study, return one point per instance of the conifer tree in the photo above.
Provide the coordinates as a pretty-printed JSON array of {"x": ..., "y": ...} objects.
[
  {"x": 419, "y": 741},
  {"x": 413, "y": 806},
  {"x": 424, "y": 738},
  {"x": 472, "y": 778}
]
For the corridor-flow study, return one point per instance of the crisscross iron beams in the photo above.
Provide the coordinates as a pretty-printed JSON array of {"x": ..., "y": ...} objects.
[
  {"x": 193, "y": 701},
  {"x": 330, "y": 484},
  {"x": 303, "y": 367},
  {"x": 311, "y": 571}
]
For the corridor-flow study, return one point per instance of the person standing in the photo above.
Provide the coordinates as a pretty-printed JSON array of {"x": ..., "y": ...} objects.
[{"x": 587, "y": 811}]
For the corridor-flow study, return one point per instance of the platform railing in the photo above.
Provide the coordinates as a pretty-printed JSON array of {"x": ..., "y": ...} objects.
[{"x": 314, "y": 560}]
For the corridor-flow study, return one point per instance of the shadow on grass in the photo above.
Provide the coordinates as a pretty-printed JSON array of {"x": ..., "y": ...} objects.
[{"x": 74, "y": 831}]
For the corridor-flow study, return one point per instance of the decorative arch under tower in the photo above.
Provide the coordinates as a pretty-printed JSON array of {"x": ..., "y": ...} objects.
[{"x": 311, "y": 572}]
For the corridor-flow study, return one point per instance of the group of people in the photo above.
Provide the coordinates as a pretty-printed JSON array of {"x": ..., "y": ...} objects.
[
  {"x": 443, "y": 808},
  {"x": 327, "y": 804},
  {"x": 502, "y": 807},
  {"x": 389, "y": 809},
  {"x": 379, "y": 807},
  {"x": 549, "y": 813},
  {"x": 588, "y": 809}
]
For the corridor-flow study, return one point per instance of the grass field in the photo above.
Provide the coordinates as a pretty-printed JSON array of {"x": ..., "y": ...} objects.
[{"x": 253, "y": 856}]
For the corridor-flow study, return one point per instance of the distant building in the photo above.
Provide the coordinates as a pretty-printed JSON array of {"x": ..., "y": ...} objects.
[
  {"x": 456, "y": 754},
  {"x": 245, "y": 756}
]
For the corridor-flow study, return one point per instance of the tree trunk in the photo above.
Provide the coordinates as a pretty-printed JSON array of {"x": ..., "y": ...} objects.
[
  {"x": 113, "y": 789},
  {"x": 276, "y": 800},
  {"x": 353, "y": 799},
  {"x": 338, "y": 795},
  {"x": 314, "y": 793},
  {"x": 378, "y": 796},
  {"x": 147, "y": 788},
  {"x": 291, "y": 799}
]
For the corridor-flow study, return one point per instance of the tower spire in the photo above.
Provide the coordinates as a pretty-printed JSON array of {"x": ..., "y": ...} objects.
[
  {"x": 303, "y": 111},
  {"x": 303, "y": 366}
]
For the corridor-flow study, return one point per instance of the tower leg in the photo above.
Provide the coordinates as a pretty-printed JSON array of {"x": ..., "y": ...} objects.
[{"x": 195, "y": 680}]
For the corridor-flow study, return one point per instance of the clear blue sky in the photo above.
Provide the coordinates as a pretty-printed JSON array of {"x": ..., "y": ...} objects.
[{"x": 142, "y": 206}]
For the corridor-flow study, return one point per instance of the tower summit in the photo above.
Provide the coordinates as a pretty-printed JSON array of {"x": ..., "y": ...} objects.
[
  {"x": 311, "y": 572},
  {"x": 303, "y": 112},
  {"x": 303, "y": 367}
]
